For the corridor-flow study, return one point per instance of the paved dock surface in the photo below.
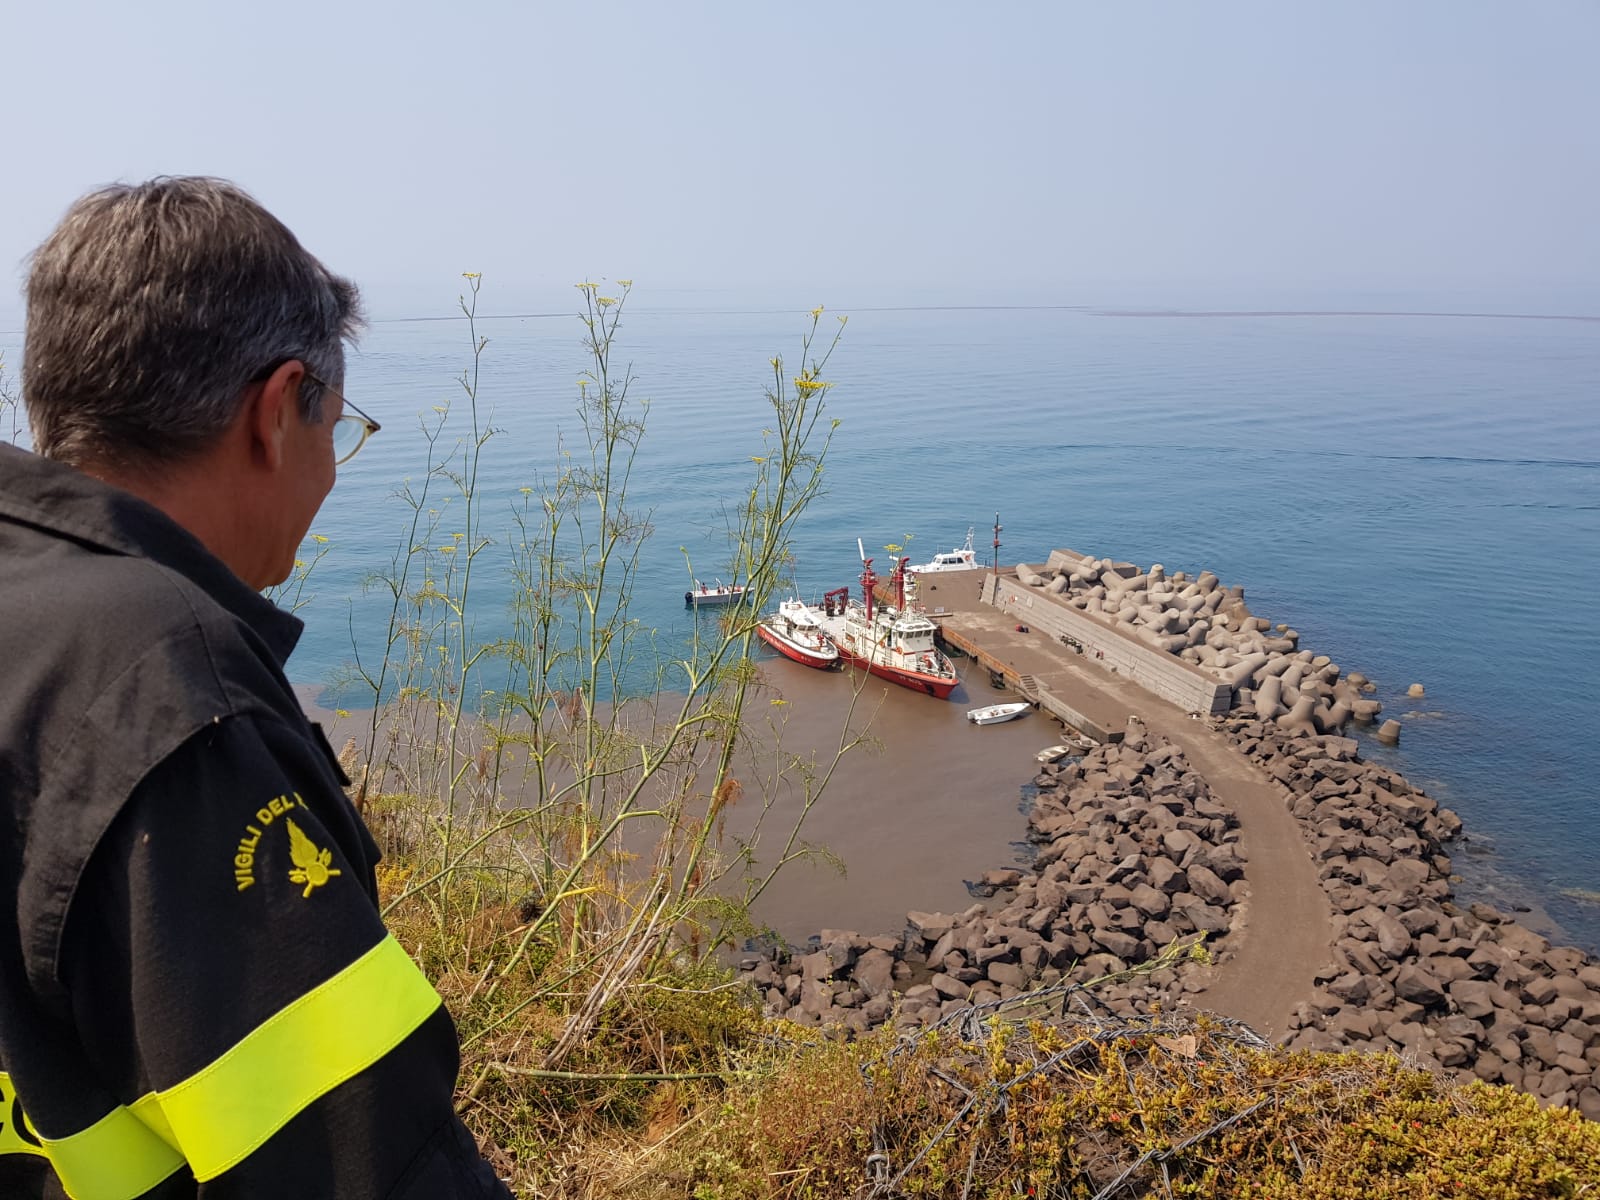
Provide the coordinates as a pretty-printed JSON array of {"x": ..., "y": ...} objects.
[{"x": 1284, "y": 931}]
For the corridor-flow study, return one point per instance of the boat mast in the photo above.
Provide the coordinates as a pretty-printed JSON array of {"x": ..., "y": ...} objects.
[{"x": 868, "y": 579}]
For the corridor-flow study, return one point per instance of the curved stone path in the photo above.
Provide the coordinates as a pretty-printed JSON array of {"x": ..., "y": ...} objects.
[
  {"x": 1285, "y": 930},
  {"x": 1284, "y": 933}
]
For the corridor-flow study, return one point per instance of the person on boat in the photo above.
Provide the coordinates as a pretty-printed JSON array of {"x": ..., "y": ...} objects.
[{"x": 198, "y": 997}]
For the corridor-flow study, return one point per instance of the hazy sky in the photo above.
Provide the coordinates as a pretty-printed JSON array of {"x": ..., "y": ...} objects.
[{"x": 854, "y": 151}]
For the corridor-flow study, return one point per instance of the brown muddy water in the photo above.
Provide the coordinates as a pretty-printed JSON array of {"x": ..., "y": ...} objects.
[{"x": 932, "y": 801}]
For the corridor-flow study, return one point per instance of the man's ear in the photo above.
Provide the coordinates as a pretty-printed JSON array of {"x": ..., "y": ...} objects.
[{"x": 271, "y": 410}]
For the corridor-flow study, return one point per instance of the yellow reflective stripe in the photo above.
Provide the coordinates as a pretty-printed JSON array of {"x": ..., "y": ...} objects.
[
  {"x": 124, "y": 1154},
  {"x": 148, "y": 1109},
  {"x": 117, "y": 1158},
  {"x": 13, "y": 1138},
  {"x": 329, "y": 1035}
]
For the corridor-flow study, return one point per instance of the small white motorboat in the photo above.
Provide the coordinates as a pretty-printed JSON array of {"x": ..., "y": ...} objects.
[
  {"x": 962, "y": 558},
  {"x": 720, "y": 594},
  {"x": 995, "y": 713},
  {"x": 1076, "y": 745}
]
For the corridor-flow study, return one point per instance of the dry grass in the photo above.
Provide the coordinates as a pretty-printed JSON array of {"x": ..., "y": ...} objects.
[
  {"x": 681, "y": 1088},
  {"x": 1101, "y": 1107}
]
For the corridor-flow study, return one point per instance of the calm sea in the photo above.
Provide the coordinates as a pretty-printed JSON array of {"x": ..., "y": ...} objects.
[{"x": 1419, "y": 496}]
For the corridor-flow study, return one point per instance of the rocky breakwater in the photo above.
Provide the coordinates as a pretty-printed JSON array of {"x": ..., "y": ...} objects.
[
  {"x": 1209, "y": 625},
  {"x": 1464, "y": 990},
  {"x": 1133, "y": 856}
]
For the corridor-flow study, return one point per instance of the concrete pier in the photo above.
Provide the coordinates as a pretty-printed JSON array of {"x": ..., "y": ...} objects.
[
  {"x": 1067, "y": 661},
  {"x": 1032, "y": 671}
]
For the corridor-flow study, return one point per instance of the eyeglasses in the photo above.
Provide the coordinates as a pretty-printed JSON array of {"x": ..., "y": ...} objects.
[{"x": 351, "y": 430}]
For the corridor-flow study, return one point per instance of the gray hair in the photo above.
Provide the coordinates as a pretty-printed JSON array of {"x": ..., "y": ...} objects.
[{"x": 151, "y": 307}]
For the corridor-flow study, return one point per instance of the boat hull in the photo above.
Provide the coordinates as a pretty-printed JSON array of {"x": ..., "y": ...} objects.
[
  {"x": 937, "y": 686},
  {"x": 996, "y": 713},
  {"x": 890, "y": 641},
  {"x": 794, "y": 651},
  {"x": 1073, "y": 746},
  {"x": 693, "y": 599}
]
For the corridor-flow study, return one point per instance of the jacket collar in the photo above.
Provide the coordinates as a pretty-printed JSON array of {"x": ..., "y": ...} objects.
[{"x": 59, "y": 499}]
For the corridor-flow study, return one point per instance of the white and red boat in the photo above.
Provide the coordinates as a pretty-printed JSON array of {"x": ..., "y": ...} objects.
[
  {"x": 794, "y": 632},
  {"x": 890, "y": 641}
]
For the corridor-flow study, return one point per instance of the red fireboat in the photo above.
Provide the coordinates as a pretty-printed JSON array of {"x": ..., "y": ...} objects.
[
  {"x": 888, "y": 640},
  {"x": 794, "y": 632}
]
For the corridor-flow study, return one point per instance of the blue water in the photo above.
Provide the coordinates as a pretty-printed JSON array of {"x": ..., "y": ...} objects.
[{"x": 1418, "y": 496}]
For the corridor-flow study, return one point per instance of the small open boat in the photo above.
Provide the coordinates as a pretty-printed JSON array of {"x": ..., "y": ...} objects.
[
  {"x": 1074, "y": 745},
  {"x": 720, "y": 594},
  {"x": 995, "y": 713}
]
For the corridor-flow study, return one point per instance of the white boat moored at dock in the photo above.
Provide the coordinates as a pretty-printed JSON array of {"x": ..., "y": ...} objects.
[
  {"x": 995, "y": 713},
  {"x": 962, "y": 558}
]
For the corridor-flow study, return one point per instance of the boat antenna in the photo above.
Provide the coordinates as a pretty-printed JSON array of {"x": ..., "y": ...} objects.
[
  {"x": 868, "y": 579},
  {"x": 997, "y": 544}
]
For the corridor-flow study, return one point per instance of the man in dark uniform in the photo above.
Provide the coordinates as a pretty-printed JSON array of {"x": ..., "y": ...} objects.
[{"x": 197, "y": 995}]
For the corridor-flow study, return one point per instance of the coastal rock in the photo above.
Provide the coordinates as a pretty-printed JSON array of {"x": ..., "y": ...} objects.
[
  {"x": 816, "y": 996},
  {"x": 1007, "y": 975},
  {"x": 874, "y": 972},
  {"x": 1589, "y": 1102},
  {"x": 1208, "y": 886},
  {"x": 1463, "y": 990},
  {"x": 932, "y": 926},
  {"x": 1393, "y": 939},
  {"x": 1133, "y": 852}
]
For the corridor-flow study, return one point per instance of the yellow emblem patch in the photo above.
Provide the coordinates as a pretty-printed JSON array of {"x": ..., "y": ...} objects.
[
  {"x": 244, "y": 854},
  {"x": 310, "y": 864}
]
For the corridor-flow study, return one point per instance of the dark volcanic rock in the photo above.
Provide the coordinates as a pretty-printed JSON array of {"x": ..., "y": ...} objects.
[
  {"x": 874, "y": 972},
  {"x": 1134, "y": 852},
  {"x": 1465, "y": 990},
  {"x": 1204, "y": 883}
]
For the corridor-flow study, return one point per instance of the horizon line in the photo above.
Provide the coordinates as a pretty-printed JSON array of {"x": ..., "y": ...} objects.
[{"x": 1090, "y": 309}]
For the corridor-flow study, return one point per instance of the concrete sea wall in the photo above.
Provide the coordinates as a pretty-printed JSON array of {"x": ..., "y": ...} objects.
[
  {"x": 1155, "y": 670},
  {"x": 1192, "y": 642}
]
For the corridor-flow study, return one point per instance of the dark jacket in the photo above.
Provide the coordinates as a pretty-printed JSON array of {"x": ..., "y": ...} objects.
[{"x": 197, "y": 995}]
